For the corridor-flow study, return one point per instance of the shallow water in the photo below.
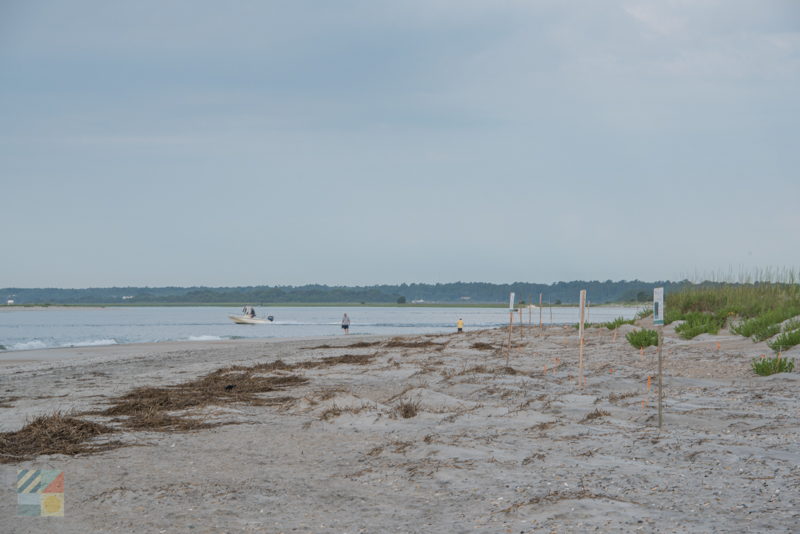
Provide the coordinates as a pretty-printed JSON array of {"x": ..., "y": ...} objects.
[{"x": 28, "y": 329}]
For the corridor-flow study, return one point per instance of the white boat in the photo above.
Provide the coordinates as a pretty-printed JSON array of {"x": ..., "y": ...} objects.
[{"x": 246, "y": 319}]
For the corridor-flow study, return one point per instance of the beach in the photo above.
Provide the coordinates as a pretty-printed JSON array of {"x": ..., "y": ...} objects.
[{"x": 425, "y": 433}]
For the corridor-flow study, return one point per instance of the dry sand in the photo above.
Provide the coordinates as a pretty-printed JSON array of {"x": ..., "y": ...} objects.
[{"x": 490, "y": 449}]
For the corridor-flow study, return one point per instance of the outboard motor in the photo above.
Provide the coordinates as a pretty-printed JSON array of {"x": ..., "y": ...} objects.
[{"x": 270, "y": 318}]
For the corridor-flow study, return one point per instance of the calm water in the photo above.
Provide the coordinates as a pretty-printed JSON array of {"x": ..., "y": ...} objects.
[{"x": 26, "y": 329}]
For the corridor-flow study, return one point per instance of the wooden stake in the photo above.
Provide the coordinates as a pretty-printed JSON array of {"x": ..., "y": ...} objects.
[
  {"x": 540, "y": 312},
  {"x": 580, "y": 328},
  {"x": 660, "y": 367},
  {"x": 530, "y": 310},
  {"x": 510, "y": 322},
  {"x": 521, "y": 330}
]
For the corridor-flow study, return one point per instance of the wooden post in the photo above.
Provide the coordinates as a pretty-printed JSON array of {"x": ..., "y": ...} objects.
[
  {"x": 510, "y": 322},
  {"x": 658, "y": 320},
  {"x": 540, "y": 312},
  {"x": 580, "y": 331},
  {"x": 660, "y": 367}
]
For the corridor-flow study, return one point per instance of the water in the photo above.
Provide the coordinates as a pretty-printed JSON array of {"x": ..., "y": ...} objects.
[{"x": 27, "y": 329}]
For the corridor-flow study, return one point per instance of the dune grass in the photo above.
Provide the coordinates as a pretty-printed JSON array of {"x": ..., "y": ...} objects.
[
  {"x": 642, "y": 338},
  {"x": 616, "y": 323},
  {"x": 785, "y": 341},
  {"x": 755, "y": 305},
  {"x": 769, "y": 366}
]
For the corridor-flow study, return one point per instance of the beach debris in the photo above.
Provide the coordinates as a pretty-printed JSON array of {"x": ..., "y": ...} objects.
[{"x": 56, "y": 433}]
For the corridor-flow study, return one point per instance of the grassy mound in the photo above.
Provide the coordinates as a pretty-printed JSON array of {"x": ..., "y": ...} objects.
[
  {"x": 756, "y": 310},
  {"x": 642, "y": 338}
]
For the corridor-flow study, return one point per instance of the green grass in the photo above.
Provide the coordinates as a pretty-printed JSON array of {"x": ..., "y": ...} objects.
[
  {"x": 697, "y": 323},
  {"x": 770, "y": 366},
  {"x": 766, "y": 325},
  {"x": 785, "y": 341},
  {"x": 616, "y": 323},
  {"x": 642, "y": 338},
  {"x": 760, "y": 303}
]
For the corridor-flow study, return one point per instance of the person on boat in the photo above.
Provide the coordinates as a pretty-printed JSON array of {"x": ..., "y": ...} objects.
[
  {"x": 252, "y": 312},
  {"x": 346, "y": 324}
]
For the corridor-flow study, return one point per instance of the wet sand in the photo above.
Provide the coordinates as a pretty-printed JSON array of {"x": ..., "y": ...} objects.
[{"x": 486, "y": 448}]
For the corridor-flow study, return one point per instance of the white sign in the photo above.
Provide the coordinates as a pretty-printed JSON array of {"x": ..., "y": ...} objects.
[
  {"x": 658, "y": 306},
  {"x": 511, "y": 301}
]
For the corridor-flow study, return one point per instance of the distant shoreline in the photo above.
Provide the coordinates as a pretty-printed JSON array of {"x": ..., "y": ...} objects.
[{"x": 32, "y": 307}]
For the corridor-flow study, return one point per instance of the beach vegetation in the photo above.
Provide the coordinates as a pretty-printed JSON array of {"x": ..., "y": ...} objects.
[
  {"x": 407, "y": 409},
  {"x": 595, "y": 415},
  {"x": 696, "y": 323},
  {"x": 642, "y": 338},
  {"x": 616, "y": 323},
  {"x": 785, "y": 341},
  {"x": 769, "y": 366},
  {"x": 754, "y": 306}
]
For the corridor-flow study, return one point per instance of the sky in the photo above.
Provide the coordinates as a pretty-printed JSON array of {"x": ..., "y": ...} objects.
[{"x": 365, "y": 142}]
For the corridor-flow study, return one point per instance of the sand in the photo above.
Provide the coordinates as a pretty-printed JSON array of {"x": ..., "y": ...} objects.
[{"x": 488, "y": 449}]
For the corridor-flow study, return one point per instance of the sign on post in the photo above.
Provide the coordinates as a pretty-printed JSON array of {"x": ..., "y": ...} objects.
[
  {"x": 511, "y": 301},
  {"x": 658, "y": 306},
  {"x": 658, "y": 319}
]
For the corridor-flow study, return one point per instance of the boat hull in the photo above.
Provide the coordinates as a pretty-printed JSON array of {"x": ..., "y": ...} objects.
[{"x": 243, "y": 319}]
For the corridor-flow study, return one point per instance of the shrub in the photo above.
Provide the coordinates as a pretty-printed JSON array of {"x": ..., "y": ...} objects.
[
  {"x": 769, "y": 366},
  {"x": 407, "y": 409},
  {"x": 642, "y": 338},
  {"x": 765, "y": 325},
  {"x": 697, "y": 323},
  {"x": 616, "y": 323},
  {"x": 785, "y": 341}
]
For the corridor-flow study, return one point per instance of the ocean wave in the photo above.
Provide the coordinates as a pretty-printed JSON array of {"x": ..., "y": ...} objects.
[
  {"x": 91, "y": 343},
  {"x": 29, "y": 345},
  {"x": 205, "y": 338}
]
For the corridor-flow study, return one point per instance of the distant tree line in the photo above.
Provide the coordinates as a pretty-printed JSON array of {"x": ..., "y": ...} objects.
[{"x": 464, "y": 292}]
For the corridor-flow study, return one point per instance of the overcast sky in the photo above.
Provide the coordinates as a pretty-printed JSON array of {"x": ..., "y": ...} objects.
[{"x": 361, "y": 142}]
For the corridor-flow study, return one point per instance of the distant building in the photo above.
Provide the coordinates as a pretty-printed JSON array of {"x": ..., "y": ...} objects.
[
  {"x": 417, "y": 301},
  {"x": 466, "y": 298},
  {"x": 10, "y": 302},
  {"x": 127, "y": 297}
]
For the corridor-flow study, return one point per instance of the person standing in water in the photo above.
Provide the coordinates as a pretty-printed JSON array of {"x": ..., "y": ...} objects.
[
  {"x": 346, "y": 324},
  {"x": 460, "y": 325}
]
